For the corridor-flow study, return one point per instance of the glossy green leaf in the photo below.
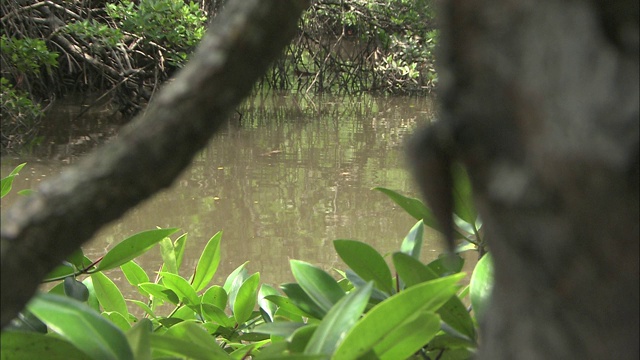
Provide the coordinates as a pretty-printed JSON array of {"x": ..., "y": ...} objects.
[
  {"x": 216, "y": 315},
  {"x": 412, "y": 243},
  {"x": 179, "y": 245},
  {"x": 108, "y": 294},
  {"x": 215, "y": 296},
  {"x": 481, "y": 286},
  {"x": 134, "y": 273},
  {"x": 117, "y": 319},
  {"x": 338, "y": 321},
  {"x": 7, "y": 182},
  {"x": 412, "y": 206},
  {"x": 453, "y": 312},
  {"x": 411, "y": 270},
  {"x": 388, "y": 316},
  {"x": 301, "y": 337},
  {"x": 268, "y": 307},
  {"x": 290, "y": 306},
  {"x": 446, "y": 264},
  {"x": 462, "y": 195},
  {"x": 231, "y": 278},
  {"x": 365, "y": 261},
  {"x": 139, "y": 337},
  {"x": 208, "y": 263},
  {"x": 245, "y": 299},
  {"x": 409, "y": 337},
  {"x": 358, "y": 282},
  {"x": 281, "y": 328},
  {"x": 20, "y": 345},
  {"x": 184, "y": 347},
  {"x": 180, "y": 287},
  {"x": 168, "y": 254},
  {"x": 197, "y": 336},
  {"x": 81, "y": 326},
  {"x": 143, "y": 306},
  {"x": 133, "y": 247},
  {"x": 320, "y": 286},
  {"x": 160, "y": 292},
  {"x": 92, "y": 301}
]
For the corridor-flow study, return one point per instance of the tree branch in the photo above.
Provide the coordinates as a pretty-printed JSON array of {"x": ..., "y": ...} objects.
[{"x": 40, "y": 231}]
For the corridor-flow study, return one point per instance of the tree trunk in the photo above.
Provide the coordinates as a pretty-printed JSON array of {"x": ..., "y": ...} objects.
[
  {"x": 540, "y": 102},
  {"x": 43, "y": 229}
]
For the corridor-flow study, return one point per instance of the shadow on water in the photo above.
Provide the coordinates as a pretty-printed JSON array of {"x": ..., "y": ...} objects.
[{"x": 283, "y": 180}]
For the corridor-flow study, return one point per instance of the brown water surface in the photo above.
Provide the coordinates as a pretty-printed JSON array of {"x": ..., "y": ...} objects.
[{"x": 293, "y": 174}]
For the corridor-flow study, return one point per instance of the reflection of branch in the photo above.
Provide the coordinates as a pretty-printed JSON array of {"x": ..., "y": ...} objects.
[{"x": 43, "y": 229}]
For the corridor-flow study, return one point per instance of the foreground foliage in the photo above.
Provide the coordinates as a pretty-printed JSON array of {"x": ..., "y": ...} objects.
[{"x": 370, "y": 311}]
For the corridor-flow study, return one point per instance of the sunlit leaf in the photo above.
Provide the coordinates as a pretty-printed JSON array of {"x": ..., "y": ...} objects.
[
  {"x": 208, "y": 263},
  {"x": 446, "y": 264},
  {"x": 320, "y": 286},
  {"x": 184, "y": 347},
  {"x": 365, "y": 261},
  {"x": 160, "y": 291},
  {"x": 338, "y": 321},
  {"x": 180, "y": 287},
  {"x": 117, "y": 319},
  {"x": 268, "y": 307},
  {"x": 139, "y": 337},
  {"x": 245, "y": 299},
  {"x": 481, "y": 286},
  {"x": 409, "y": 337},
  {"x": 388, "y": 316},
  {"x": 108, "y": 294},
  {"x": 134, "y": 273},
  {"x": 412, "y": 206},
  {"x": 179, "y": 245},
  {"x": 215, "y": 296},
  {"x": 412, "y": 243},
  {"x": 290, "y": 305},
  {"x": 216, "y": 315},
  {"x": 133, "y": 247},
  {"x": 231, "y": 278},
  {"x": 168, "y": 253},
  {"x": 81, "y": 326},
  {"x": 281, "y": 328},
  {"x": 21, "y": 345},
  {"x": 7, "y": 182}
]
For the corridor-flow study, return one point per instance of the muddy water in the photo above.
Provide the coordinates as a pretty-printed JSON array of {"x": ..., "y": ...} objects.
[{"x": 283, "y": 180}]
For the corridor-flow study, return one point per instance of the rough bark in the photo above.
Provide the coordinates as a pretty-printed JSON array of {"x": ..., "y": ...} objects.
[
  {"x": 40, "y": 231},
  {"x": 540, "y": 103}
]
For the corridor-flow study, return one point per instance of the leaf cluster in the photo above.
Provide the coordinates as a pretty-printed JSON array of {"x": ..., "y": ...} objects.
[{"x": 367, "y": 311}]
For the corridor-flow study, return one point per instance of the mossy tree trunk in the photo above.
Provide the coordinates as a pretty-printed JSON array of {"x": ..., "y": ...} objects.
[{"x": 540, "y": 102}]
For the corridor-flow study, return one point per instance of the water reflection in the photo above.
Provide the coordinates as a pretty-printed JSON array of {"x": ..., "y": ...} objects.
[{"x": 282, "y": 181}]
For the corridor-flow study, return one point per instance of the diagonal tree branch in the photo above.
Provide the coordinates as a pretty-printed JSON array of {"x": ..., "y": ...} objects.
[{"x": 40, "y": 231}]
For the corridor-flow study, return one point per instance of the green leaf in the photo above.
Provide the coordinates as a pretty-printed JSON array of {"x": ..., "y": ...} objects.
[
  {"x": 20, "y": 345},
  {"x": 390, "y": 315},
  {"x": 184, "y": 347},
  {"x": 133, "y": 247},
  {"x": 208, "y": 263},
  {"x": 365, "y": 261},
  {"x": 139, "y": 337},
  {"x": 179, "y": 245},
  {"x": 268, "y": 307},
  {"x": 316, "y": 283},
  {"x": 231, "y": 278},
  {"x": 408, "y": 338},
  {"x": 108, "y": 294},
  {"x": 413, "y": 206},
  {"x": 281, "y": 328},
  {"x": 7, "y": 182},
  {"x": 134, "y": 274},
  {"x": 168, "y": 253},
  {"x": 245, "y": 299},
  {"x": 411, "y": 270},
  {"x": 197, "y": 336},
  {"x": 117, "y": 319},
  {"x": 288, "y": 305},
  {"x": 446, "y": 264},
  {"x": 338, "y": 321},
  {"x": 412, "y": 243},
  {"x": 462, "y": 195},
  {"x": 481, "y": 286},
  {"x": 143, "y": 306},
  {"x": 160, "y": 291},
  {"x": 216, "y": 315},
  {"x": 59, "y": 272},
  {"x": 215, "y": 296},
  {"x": 180, "y": 287},
  {"x": 81, "y": 326}
]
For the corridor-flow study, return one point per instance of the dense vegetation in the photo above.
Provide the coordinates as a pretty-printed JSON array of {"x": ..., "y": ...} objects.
[
  {"x": 123, "y": 51},
  {"x": 369, "y": 312}
]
